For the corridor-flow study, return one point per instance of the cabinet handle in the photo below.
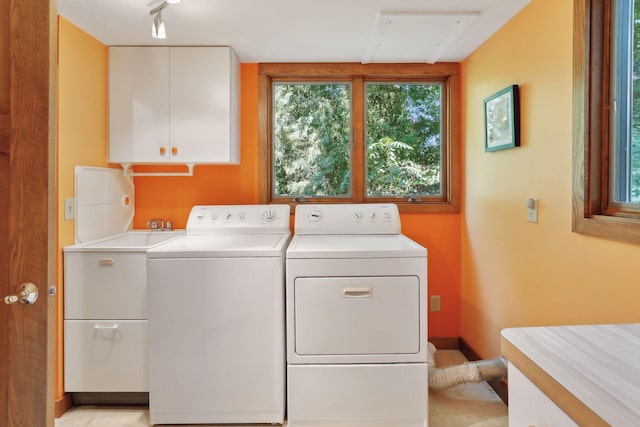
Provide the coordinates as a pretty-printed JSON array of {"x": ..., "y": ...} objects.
[
  {"x": 107, "y": 328},
  {"x": 174, "y": 150},
  {"x": 105, "y": 262},
  {"x": 163, "y": 151}
]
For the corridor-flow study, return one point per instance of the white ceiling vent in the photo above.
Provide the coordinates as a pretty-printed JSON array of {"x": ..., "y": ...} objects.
[{"x": 415, "y": 36}]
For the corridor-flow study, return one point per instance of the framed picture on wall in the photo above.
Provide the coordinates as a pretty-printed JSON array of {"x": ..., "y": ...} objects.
[{"x": 502, "y": 120}]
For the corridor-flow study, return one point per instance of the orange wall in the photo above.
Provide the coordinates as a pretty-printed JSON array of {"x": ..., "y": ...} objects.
[
  {"x": 82, "y": 136},
  {"x": 515, "y": 273},
  {"x": 440, "y": 234}
]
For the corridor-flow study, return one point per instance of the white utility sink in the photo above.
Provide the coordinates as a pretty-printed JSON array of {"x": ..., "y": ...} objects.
[{"x": 131, "y": 240}]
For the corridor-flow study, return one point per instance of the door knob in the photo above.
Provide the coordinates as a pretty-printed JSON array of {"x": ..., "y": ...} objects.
[{"x": 26, "y": 293}]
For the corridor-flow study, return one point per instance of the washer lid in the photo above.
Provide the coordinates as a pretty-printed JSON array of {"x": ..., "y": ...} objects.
[
  {"x": 354, "y": 246},
  {"x": 221, "y": 245}
]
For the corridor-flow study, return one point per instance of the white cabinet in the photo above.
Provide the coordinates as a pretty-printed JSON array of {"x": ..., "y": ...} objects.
[
  {"x": 139, "y": 112},
  {"x": 105, "y": 356},
  {"x": 105, "y": 327},
  {"x": 105, "y": 285},
  {"x": 530, "y": 407},
  {"x": 173, "y": 105}
]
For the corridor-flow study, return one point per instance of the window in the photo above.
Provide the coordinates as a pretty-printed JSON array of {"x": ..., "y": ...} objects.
[
  {"x": 606, "y": 157},
  {"x": 625, "y": 132},
  {"x": 360, "y": 133}
]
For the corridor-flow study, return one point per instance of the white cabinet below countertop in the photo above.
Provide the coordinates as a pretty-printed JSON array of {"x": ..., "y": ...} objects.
[
  {"x": 174, "y": 105},
  {"x": 585, "y": 375},
  {"x": 105, "y": 326},
  {"x": 105, "y": 356},
  {"x": 530, "y": 407},
  {"x": 105, "y": 312}
]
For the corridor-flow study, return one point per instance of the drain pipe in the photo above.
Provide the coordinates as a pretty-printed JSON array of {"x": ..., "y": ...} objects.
[{"x": 480, "y": 370}]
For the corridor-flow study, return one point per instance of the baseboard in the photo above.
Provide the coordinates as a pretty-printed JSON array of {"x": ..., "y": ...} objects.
[
  {"x": 63, "y": 405},
  {"x": 110, "y": 398},
  {"x": 500, "y": 386}
]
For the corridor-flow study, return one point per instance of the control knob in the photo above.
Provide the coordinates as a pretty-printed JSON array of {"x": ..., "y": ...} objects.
[
  {"x": 269, "y": 215},
  {"x": 314, "y": 216}
]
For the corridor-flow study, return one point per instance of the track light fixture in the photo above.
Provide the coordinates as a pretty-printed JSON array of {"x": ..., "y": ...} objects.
[{"x": 158, "y": 30}]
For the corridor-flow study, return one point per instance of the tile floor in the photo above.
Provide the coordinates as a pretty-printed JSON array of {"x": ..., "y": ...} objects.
[{"x": 465, "y": 405}]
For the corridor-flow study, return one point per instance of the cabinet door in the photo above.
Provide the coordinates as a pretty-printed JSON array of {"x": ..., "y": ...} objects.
[
  {"x": 529, "y": 406},
  {"x": 105, "y": 285},
  {"x": 139, "y": 105},
  {"x": 204, "y": 105},
  {"x": 105, "y": 356}
]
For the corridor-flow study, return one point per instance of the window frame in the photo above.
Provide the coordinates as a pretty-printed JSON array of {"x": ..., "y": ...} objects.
[
  {"x": 594, "y": 212},
  {"x": 446, "y": 74}
]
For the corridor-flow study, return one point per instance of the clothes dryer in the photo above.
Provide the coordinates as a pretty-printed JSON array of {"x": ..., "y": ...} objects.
[
  {"x": 216, "y": 318},
  {"x": 356, "y": 319}
]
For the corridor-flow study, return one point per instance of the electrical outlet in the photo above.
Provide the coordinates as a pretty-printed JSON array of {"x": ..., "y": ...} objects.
[
  {"x": 69, "y": 208},
  {"x": 435, "y": 303}
]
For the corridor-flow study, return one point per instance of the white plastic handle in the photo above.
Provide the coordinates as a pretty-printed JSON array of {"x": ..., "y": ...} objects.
[
  {"x": 357, "y": 292},
  {"x": 105, "y": 328}
]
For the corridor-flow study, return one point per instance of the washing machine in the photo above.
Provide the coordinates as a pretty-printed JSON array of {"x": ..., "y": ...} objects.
[
  {"x": 356, "y": 317},
  {"x": 216, "y": 318}
]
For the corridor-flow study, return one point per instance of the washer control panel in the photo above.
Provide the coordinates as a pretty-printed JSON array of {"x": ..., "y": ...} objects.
[
  {"x": 347, "y": 219},
  {"x": 205, "y": 218}
]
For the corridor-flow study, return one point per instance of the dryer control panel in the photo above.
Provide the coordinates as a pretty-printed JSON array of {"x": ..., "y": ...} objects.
[
  {"x": 347, "y": 219},
  {"x": 210, "y": 218}
]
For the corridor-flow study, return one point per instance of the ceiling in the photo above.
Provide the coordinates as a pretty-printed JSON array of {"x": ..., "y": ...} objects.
[{"x": 304, "y": 30}]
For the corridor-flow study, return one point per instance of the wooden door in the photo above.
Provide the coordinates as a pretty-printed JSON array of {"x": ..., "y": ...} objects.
[{"x": 28, "y": 34}]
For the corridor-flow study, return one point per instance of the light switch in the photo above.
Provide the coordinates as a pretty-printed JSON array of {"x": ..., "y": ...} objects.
[
  {"x": 69, "y": 208},
  {"x": 532, "y": 209}
]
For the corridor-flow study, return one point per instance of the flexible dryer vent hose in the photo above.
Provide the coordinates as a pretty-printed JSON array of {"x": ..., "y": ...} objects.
[{"x": 481, "y": 370}]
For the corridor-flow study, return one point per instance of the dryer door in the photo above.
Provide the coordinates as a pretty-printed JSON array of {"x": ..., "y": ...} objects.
[{"x": 357, "y": 315}]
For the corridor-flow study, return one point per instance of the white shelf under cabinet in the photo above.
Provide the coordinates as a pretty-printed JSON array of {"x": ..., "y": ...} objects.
[{"x": 173, "y": 105}]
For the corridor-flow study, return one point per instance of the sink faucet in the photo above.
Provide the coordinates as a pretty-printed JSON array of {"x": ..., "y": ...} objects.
[{"x": 156, "y": 224}]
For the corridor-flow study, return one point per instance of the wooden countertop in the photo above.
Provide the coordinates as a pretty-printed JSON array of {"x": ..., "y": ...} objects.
[{"x": 592, "y": 372}]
